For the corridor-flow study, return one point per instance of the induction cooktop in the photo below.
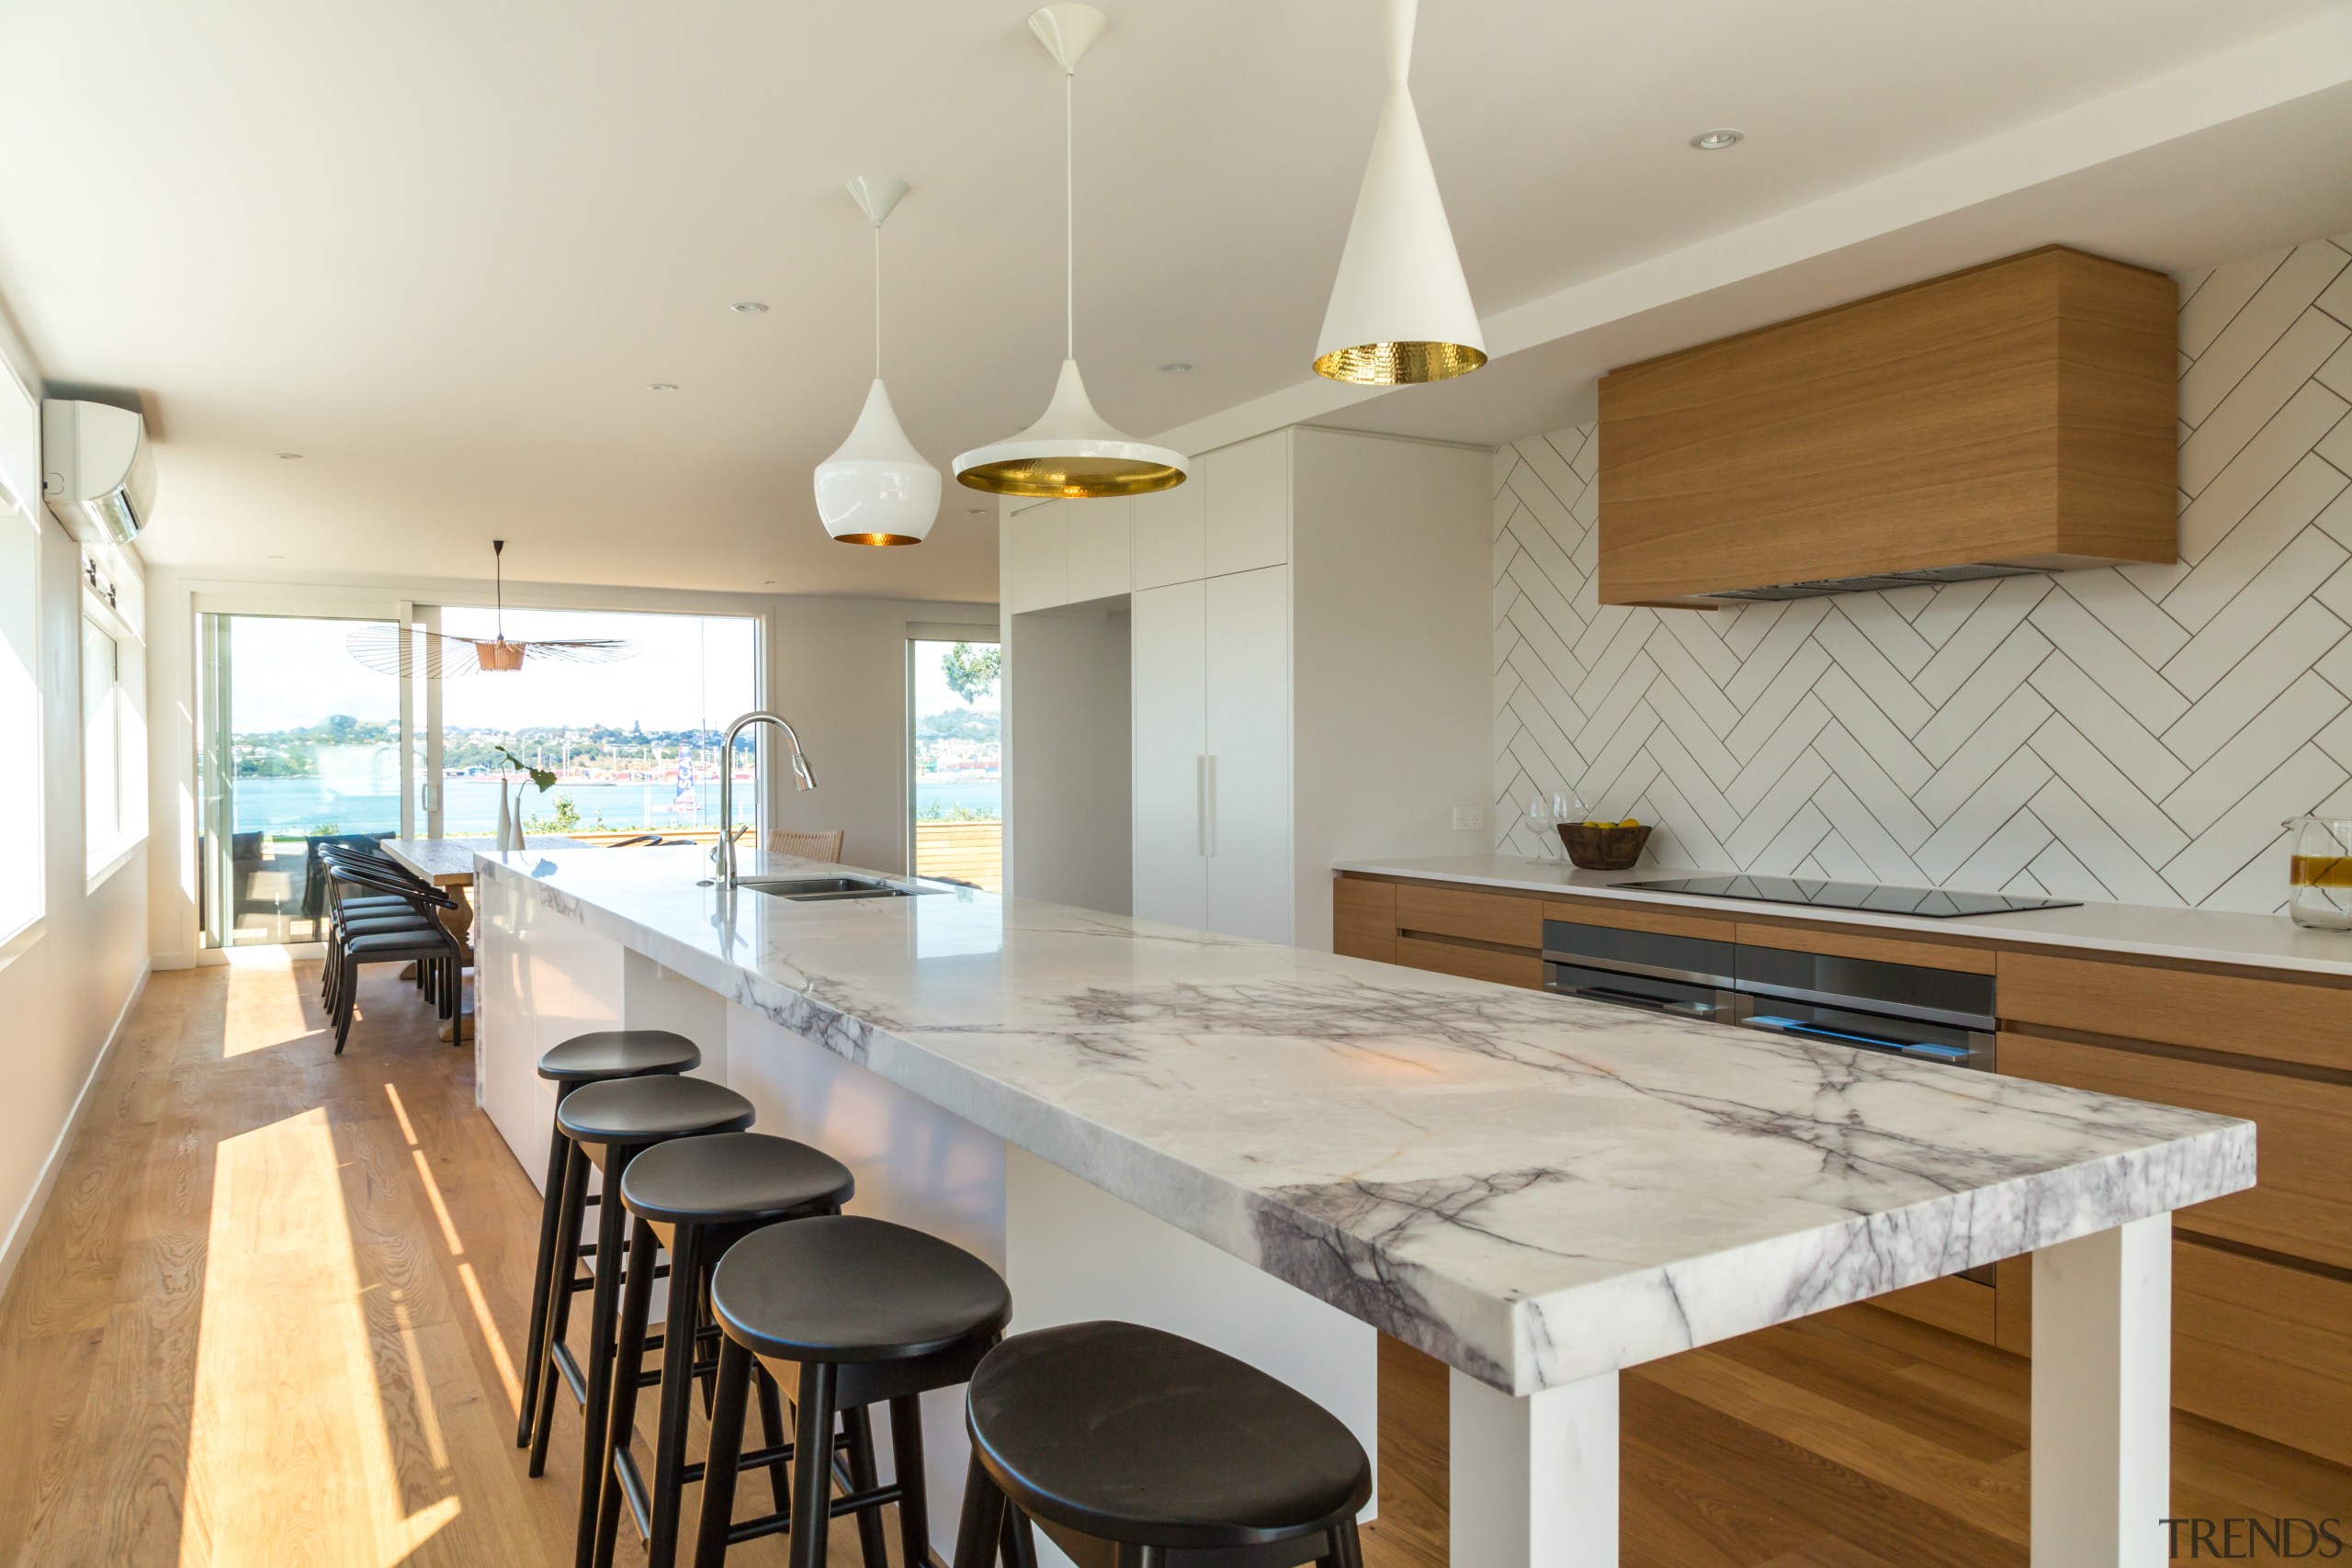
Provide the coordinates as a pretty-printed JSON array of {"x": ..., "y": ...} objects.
[{"x": 1931, "y": 903}]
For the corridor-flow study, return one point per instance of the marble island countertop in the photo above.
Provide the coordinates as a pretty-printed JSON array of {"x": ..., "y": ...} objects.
[
  {"x": 1531, "y": 1188},
  {"x": 2198, "y": 936}
]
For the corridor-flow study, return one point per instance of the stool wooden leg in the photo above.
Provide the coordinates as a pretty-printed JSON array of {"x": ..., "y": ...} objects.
[
  {"x": 1349, "y": 1544},
  {"x": 629, "y": 1360},
  {"x": 772, "y": 1431},
  {"x": 1019, "y": 1541},
  {"x": 863, "y": 1477},
  {"x": 676, "y": 1394},
  {"x": 550, "y": 1205},
  {"x": 567, "y": 1228},
  {"x": 906, "y": 1457},
  {"x": 725, "y": 1448},
  {"x": 604, "y": 1306},
  {"x": 981, "y": 1525},
  {"x": 812, "y": 1477}
]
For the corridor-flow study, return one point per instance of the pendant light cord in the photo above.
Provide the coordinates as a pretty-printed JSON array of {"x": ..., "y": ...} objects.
[
  {"x": 878, "y": 302},
  {"x": 1069, "y": 213}
]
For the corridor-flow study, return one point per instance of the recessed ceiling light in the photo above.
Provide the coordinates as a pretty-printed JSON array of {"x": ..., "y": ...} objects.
[
  {"x": 661, "y": 385},
  {"x": 1175, "y": 368},
  {"x": 1715, "y": 140},
  {"x": 748, "y": 308},
  {"x": 278, "y": 557},
  {"x": 290, "y": 456},
  {"x": 977, "y": 511}
]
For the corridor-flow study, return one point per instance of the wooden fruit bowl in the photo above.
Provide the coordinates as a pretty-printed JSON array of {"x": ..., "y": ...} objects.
[{"x": 1608, "y": 848}]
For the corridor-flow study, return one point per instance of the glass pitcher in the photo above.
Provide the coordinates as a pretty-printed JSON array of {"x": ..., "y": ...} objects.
[{"x": 2320, "y": 869}]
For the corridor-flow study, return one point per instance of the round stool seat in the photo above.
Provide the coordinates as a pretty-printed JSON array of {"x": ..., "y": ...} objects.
[
  {"x": 650, "y": 1111},
  {"x": 845, "y": 1289},
  {"x": 733, "y": 1179},
  {"x": 619, "y": 1054},
  {"x": 1127, "y": 1434}
]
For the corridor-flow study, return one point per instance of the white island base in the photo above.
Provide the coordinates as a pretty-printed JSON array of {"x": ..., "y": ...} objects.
[{"x": 1533, "y": 1478}]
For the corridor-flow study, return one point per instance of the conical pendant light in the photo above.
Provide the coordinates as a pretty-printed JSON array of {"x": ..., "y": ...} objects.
[
  {"x": 1072, "y": 450},
  {"x": 877, "y": 490},
  {"x": 1400, "y": 308}
]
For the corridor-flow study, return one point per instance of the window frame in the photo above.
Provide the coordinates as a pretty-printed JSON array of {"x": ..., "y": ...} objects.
[{"x": 103, "y": 857}]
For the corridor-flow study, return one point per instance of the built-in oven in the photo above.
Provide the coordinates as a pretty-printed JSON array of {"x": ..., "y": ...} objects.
[
  {"x": 1687, "y": 976},
  {"x": 1904, "y": 1010},
  {"x": 1908, "y": 1009}
]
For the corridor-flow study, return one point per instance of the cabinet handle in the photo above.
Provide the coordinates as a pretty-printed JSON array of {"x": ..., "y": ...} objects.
[{"x": 1204, "y": 798}]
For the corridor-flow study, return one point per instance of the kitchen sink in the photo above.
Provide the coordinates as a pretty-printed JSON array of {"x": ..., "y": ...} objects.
[{"x": 816, "y": 889}]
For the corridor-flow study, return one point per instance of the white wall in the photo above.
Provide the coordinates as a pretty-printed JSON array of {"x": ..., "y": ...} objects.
[
  {"x": 1069, "y": 736},
  {"x": 67, "y": 982},
  {"x": 1390, "y": 597},
  {"x": 836, "y": 667},
  {"x": 2134, "y": 734}
]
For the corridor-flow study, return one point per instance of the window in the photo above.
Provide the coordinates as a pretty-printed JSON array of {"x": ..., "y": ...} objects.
[
  {"x": 956, "y": 759},
  {"x": 105, "y": 821}
]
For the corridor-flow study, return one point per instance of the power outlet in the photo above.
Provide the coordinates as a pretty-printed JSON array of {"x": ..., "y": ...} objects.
[{"x": 1469, "y": 819}]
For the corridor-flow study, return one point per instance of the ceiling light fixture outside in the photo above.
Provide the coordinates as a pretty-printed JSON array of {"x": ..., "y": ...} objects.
[
  {"x": 1715, "y": 140},
  {"x": 748, "y": 308},
  {"x": 877, "y": 489},
  {"x": 1400, "y": 310},
  {"x": 1072, "y": 450}
]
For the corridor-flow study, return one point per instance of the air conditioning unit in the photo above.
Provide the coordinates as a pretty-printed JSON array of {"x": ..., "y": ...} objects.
[{"x": 96, "y": 473}]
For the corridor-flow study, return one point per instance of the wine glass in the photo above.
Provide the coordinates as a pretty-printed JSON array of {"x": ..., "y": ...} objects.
[{"x": 1544, "y": 825}]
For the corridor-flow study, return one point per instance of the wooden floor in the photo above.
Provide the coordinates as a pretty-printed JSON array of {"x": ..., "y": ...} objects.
[{"x": 273, "y": 1312}]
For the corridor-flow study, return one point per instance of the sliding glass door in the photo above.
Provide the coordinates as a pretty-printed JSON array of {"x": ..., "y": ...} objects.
[
  {"x": 300, "y": 739},
  {"x": 299, "y": 742}
]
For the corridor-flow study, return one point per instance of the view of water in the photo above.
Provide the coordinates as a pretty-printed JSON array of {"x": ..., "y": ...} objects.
[{"x": 296, "y": 807}]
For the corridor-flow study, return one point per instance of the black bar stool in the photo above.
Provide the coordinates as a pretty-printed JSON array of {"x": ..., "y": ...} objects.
[
  {"x": 1135, "y": 1448},
  {"x": 607, "y": 1124},
  {"x": 694, "y": 1198},
  {"x": 867, "y": 1311},
  {"x": 583, "y": 1059}
]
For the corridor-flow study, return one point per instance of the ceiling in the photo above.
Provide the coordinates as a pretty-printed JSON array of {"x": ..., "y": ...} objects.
[{"x": 441, "y": 250}]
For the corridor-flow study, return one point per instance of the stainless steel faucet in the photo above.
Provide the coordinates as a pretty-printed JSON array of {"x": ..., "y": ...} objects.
[{"x": 722, "y": 859}]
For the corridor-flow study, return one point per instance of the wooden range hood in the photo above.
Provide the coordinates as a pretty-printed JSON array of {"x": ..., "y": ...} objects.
[{"x": 2018, "y": 416}]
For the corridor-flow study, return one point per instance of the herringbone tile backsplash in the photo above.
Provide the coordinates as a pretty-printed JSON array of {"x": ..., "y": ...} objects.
[{"x": 2133, "y": 734}]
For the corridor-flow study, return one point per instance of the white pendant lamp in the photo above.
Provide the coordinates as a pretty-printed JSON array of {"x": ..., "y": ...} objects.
[
  {"x": 877, "y": 489},
  {"x": 1072, "y": 450},
  {"x": 1400, "y": 308}
]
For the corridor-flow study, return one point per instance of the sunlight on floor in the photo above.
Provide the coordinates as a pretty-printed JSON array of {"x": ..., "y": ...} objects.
[
  {"x": 483, "y": 1320},
  {"x": 265, "y": 1001},
  {"x": 292, "y": 1455}
]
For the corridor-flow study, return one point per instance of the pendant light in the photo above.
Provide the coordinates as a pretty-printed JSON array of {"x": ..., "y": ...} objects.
[
  {"x": 877, "y": 489},
  {"x": 1072, "y": 450},
  {"x": 1400, "y": 308}
]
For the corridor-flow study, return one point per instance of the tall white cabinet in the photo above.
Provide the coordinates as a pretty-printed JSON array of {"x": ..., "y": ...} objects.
[{"x": 1308, "y": 629}]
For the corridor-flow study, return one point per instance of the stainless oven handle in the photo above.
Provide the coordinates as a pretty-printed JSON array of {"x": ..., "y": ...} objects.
[
  {"x": 1926, "y": 1050},
  {"x": 1647, "y": 1004},
  {"x": 1969, "y": 1021},
  {"x": 1647, "y": 971}
]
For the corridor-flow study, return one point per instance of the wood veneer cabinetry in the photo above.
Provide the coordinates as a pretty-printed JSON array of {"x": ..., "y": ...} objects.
[{"x": 2021, "y": 414}]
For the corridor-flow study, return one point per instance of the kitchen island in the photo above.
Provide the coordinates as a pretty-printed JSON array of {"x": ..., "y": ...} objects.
[{"x": 1283, "y": 1152}]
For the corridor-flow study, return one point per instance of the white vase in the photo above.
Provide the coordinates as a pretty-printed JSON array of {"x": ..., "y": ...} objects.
[{"x": 508, "y": 839}]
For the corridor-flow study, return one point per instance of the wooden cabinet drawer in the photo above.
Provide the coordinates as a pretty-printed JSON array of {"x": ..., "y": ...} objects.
[
  {"x": 1634, "y": 918},
  {"x": 2301, "y": 1203},
  {"x": 1955, "y": 1304},
  {"x": 2277, "y": 1018},
  {"x": 1363, "y": 919},
  {"x": 1869, "y": 947},
  {"x": 2262, "y": 1346},
  {"x": 1472, "y": 962},
  {"x": 1481, "y": 917}
]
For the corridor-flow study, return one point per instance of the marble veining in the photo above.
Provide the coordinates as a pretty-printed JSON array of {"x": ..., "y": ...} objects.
[{"x": 1533, "y": 1187}]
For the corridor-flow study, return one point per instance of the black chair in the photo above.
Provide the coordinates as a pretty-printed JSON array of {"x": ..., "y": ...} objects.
[
  {"x": 607, "y": 1125},
  {"x": 694, "y": 1198},
  {"x": 387, "y": 899},
  {"x": 583, "y": 1059},
  {"x": 1131, "y": 1447},
  {"x": 868, "y": 1312},
  {"x": 415, "y": 935}
]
